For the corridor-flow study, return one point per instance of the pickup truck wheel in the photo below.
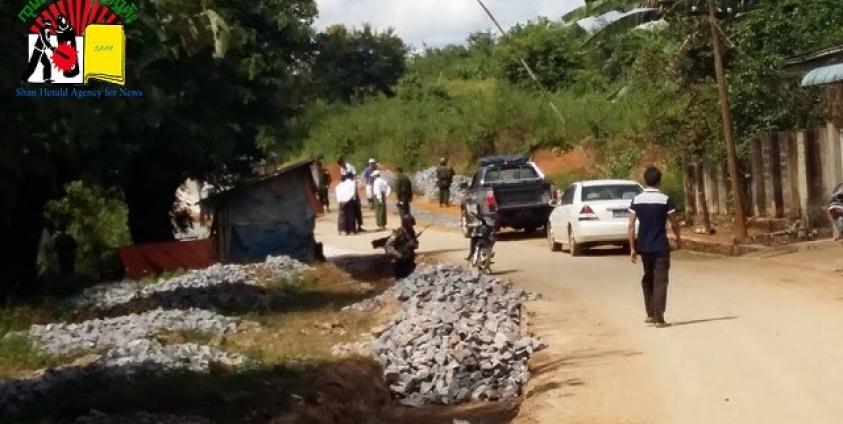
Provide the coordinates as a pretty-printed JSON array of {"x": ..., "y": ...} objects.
[
  {"x": 573, "y": 247},
  {"x": 466, "y": 232}
]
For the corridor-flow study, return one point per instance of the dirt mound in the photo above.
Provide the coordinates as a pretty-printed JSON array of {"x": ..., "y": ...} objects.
[{"x": 558, "y": 163}]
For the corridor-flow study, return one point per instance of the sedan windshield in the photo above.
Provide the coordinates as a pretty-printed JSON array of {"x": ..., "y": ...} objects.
[{"x": 610, "y": 192}]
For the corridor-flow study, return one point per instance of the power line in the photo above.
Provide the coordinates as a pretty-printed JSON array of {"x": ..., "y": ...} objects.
[{"x": 524, "y": 63}]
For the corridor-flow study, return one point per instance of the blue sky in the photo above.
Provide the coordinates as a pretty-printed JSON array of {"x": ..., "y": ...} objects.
[{"x": 436, "y": 22}]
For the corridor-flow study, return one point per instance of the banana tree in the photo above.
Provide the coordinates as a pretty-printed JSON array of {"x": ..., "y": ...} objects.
[{"x": 642, "y": 12}]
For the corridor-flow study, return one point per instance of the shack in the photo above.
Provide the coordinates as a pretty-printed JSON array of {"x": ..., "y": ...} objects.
[{"x": 273, "y": 215}]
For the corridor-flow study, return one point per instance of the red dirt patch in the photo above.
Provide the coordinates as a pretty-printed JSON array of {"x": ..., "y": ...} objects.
[{"x": 558, "y": 163}]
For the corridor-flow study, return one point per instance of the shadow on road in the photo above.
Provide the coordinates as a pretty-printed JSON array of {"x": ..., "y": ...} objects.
[
  {"x": 552, "y": 364},
  {"x": 506, "y": 236},
  {"x": 553, "y": 385},
  {"x": 702, "y": 321},
  {"x": 443, "y": 251}
]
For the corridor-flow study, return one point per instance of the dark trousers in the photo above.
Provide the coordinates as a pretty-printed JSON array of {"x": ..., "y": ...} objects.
[
  {"x": 347, "y": 219},
  {"x": 358, "y": 214},
  {"x": 404, "y": 206},
  {"x": 324, "y": 199},
  {"x": 655, "y": 282},
  {"x": 444, "y": 196}
]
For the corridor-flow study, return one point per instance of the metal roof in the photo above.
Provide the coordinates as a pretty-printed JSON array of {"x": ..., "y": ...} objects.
[
  {"x": 286, "y": 169},
  {"x": 817, "y": 58},
  {"x": 824, "y": 75}
]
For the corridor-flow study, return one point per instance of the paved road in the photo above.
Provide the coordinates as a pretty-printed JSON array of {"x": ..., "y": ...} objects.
[{"x": 752, "y": 341}]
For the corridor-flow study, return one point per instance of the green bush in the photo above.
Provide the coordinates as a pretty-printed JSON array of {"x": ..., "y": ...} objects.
[
  {"x": 673, "y": 185},
  {"x": 97, "y": 220}
]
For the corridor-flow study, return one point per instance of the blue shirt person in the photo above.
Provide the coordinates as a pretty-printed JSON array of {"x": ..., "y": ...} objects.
[{"x": 653, "y": 209}]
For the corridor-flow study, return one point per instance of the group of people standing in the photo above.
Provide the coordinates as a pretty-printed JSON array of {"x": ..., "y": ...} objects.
[{"x": 377, "y": 191}]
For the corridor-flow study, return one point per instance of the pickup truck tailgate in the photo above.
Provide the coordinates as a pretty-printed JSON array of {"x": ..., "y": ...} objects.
[{"x": 532, "y": 193}]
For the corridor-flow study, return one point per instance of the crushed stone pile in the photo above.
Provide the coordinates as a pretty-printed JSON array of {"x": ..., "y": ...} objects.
[
  {"x": 458, "y": 337},
  {"x": 424, "y": 183},
  {"x": 140, "y": 356},
  {"x": 217, "y": 285},
  {"x": 65, "y": 338},
  {"x": 126, "y": 345}
]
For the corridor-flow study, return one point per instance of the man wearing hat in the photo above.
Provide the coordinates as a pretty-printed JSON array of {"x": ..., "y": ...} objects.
[
  {"x": 444, "y": 178},
  {"x": 369, "y": 180},
  {"x": 381, "y": 191}
]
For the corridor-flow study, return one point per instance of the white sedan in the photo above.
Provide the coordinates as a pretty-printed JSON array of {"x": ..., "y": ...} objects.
[{"x": 592, "y": 213}]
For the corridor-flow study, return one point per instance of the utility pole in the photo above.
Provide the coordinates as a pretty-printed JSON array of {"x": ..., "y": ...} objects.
[
  {"x": 728, "y": 127},
  {"x": 524, "y": 63}
]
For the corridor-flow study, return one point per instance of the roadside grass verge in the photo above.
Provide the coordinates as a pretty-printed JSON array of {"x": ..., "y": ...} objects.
[
  {"x": 290, "y": 363},
  {"x": 18, "y": 356}
]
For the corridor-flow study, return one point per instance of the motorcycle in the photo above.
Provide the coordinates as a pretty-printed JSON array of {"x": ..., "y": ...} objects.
[
  {"x": 834, "y": 210},
  {"x": 482, "y": 244}
]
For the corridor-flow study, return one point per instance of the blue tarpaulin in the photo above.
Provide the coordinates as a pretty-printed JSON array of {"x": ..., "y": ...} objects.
[
  {"x": 825, "y": 75},
  {"x": 272, "y": 216}
]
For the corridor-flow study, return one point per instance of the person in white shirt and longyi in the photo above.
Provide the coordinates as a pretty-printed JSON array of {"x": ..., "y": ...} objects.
[
  {"x": 381, "y": 191},
  {"x": 346, "y": 193}
]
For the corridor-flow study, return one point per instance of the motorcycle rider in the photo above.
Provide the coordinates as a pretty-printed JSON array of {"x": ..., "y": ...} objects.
[{"x": 483, "y": 228}]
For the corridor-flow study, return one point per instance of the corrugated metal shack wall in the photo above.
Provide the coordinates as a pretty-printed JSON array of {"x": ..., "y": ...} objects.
[{"x": 275, "y": 217}]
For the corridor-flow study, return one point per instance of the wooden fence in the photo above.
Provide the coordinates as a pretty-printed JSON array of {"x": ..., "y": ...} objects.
[{"x": 788, "y": 176}]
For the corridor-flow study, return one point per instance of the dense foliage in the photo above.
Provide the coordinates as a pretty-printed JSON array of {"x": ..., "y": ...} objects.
[
  {"x": 227, "y": 82},
  {"x": 353, "y": 64}
]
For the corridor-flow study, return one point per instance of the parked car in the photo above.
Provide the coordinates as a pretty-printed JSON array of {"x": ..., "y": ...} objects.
[
  {"x": 592, "y": 213},
  {"x": 512, "y": 189}
]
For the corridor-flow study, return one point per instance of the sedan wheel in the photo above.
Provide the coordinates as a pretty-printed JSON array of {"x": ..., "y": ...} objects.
[
  {"x": 573, "y": 247},
  {"x": 551, "y": 239}
]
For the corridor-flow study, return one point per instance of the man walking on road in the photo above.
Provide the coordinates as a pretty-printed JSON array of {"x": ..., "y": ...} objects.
[
  {"x": 404, "y": 187},
  {"x": 369, "y": 180},
  {"x": 348, "y": 169},
  {"x": 444, "y": 178},
  {"x": 381, "y": 191},
  {"x": 652, "y": 209},
  {"x": 345, "y": 192}
]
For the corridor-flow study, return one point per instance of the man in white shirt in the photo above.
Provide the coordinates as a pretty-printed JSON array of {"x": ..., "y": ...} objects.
[
  {"x": 346, "y": 191},
  {"x": 348, "y": 169},
  {"x": 381, "y": 191}
]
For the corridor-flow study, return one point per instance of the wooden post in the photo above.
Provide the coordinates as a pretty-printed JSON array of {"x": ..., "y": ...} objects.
[
  {"x": 702, "y": 202},
  {"x": 802, "y": 161},
  {"x": 728, "y": 128}
]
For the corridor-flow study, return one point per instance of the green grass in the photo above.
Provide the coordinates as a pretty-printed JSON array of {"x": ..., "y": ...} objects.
[{"x": 19, "y": 356}]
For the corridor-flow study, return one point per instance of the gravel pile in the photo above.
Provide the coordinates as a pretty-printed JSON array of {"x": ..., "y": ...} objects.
[
  {"x": 139, "y": 356},
  {"x": 126, "y": 344},
  {"x": 424, "y": 183},
  {"x": 152, "y": 354},
  {"x": 458, "y": 337},
  {"x": 217, "y": 285},
  {"x": 64, "y": 338}
]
